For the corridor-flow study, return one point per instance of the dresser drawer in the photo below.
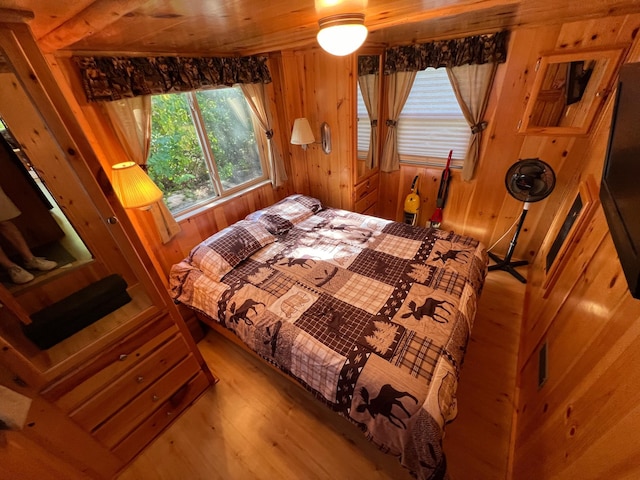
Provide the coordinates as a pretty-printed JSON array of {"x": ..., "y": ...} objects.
[
  {"x": 161, "y": 418},
  {"x": 88, "y": 379},
  {"x": 365, "y": 188},
  {"x": 367, "y": 202},
  {"x": 109, "y": 400},
  {"x": 131, "y": 415}
]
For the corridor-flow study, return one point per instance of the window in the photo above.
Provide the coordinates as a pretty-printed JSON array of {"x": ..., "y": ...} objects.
[
  {"x": 203, "y": 146},
  {"x": 431, "y": 122},
  {"x": 364, "y": 128}
]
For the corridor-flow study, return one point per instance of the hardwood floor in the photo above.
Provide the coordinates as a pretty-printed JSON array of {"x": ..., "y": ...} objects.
[
  {"x": 477, "y": 442},
  {"x": 256, "y": 424}
]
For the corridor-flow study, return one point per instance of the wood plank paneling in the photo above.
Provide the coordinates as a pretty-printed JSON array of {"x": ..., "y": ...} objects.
[
  {"x": 583, "y": 421},
  {"x": 319, "y": 86}
]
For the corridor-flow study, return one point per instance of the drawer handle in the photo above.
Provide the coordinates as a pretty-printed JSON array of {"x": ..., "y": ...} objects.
[
  {"x": 139, "y": 379},
  {"x": 155, "y": 397},
  {"x": 123, "y": 357}
]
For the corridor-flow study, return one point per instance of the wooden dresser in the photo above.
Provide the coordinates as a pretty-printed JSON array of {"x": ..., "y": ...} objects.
[
  {"x": 97, "y": 397},
  {"x": 366, "y": 193}
]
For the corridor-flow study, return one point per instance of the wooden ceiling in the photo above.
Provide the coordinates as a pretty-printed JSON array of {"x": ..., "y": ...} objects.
[{"x": 245, "y": 27}]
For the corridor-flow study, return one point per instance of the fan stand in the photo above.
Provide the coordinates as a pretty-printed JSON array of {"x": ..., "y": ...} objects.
[{"x": 505, "y": 263}]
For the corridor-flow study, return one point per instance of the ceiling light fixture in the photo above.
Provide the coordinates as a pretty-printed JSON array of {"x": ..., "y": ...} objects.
[{"x": 342, "y": 34}]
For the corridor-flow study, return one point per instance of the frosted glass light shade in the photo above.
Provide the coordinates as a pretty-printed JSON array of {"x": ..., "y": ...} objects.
[
  {"x": 133, "y": 186},
  {"x": 302, "y": 134},
  {"x": 342, "y": 34}
]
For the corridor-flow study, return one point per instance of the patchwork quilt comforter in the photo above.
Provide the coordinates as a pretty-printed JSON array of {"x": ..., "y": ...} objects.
[{"x": 372, "y": 316}]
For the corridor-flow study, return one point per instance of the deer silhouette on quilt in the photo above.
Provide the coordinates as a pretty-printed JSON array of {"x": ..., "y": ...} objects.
[
  {"x": 242, "y": 313},
  {"x": 383, "y": 404},
  {"x": 302, "y": 262},
  {"x": 428, "y": 309},
  {"x": 451, "y": 255}
]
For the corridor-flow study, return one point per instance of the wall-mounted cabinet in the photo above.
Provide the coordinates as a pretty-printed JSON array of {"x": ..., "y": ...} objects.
[
  {"x": 569, "y": 90},
  {"x": 105, "y": 388}
]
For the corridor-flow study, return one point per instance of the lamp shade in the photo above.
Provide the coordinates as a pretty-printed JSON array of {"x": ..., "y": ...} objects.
[
  {"x": 133, "y": 186},
  {"x": 342, "y": 34},
  {"x": 302, "y": 134}
]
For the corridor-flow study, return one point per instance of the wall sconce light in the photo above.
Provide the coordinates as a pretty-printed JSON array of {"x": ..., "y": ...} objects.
[
  {"x": 133, "y": 186},
  {"x": 302, "y": 134},
  {"x": 342, "y": 34}
]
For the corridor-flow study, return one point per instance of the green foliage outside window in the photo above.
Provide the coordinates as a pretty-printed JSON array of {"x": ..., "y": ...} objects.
[{"x": 176, "y": 160}]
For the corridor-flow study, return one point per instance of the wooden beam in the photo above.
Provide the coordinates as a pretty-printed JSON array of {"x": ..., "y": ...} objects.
[
  {"x": 378, "y": 20},
  {"x": 10, "y": 15},
  {"x": 92, "y": 19}
]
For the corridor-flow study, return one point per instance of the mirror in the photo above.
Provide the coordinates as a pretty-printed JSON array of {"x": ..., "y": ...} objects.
[
  {"x": 368, "y": 95},
  {"x": 62, "y": 212},
  {"x": 568, "y": 91},
  {"x": 37, "y": 218}
]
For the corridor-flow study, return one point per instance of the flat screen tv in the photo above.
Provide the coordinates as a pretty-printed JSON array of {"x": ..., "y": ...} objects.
[{"x": 620, "y": 186}]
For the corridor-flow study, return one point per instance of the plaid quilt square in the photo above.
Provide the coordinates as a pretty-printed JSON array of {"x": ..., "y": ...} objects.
[
  {"x": 408, "y": 231},
  {"x": 448, "y": 281},
  {"x": 398, "y": 246},
  {"x": 417, "y": 355},
  {"x": 379, "y": 266},
  {"x": 341, "y": 326},
  {"x": 336, "y": 324},
  {"x": 364, "y": 293},
  {"x": 278, "y": 284},
  {"x": 207, "y": 293},
  {"x": 317, "y": 365}
]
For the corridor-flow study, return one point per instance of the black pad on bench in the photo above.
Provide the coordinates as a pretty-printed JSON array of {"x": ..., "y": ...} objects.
[{"x": 62, "y": 319}]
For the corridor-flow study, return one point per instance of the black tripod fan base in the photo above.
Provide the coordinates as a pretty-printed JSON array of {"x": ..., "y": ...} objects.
[{"x": 507, "y": 266}]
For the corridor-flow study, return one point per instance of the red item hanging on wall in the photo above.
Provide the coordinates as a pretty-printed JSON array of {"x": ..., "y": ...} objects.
[{"x": 436, "y": 218}]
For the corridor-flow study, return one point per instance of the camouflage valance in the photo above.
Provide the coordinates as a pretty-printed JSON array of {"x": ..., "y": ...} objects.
[
  {"x": 113, "y": 78},
  {"x": 479, "y": 49},
  {"x": 368, "y": 64}
]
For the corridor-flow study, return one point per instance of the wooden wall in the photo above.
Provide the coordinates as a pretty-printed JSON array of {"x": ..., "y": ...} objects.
[
  {"x": 322, "y": 88},
  {"x": 583, "y": 422}
]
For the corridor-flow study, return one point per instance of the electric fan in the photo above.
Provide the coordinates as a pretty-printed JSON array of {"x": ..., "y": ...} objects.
[{"x": 529, "y": 180}]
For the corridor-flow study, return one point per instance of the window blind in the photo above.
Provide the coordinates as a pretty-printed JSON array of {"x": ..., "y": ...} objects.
[
  {"x": 431, "y": 122},
  {"x": 364, "y": 127}
]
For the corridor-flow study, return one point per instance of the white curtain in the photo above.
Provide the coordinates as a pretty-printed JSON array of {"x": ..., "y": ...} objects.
[
  {"x": 256, "y": 96},
  {"x": 399, "y": 84},
  {"x": 131, "y": 120},
  {"x": 472, "y": 86},
  {"x": 369, "y": 87}
]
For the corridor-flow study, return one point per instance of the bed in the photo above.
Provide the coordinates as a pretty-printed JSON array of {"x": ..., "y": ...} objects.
[{"x": 372, "y": 316}]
